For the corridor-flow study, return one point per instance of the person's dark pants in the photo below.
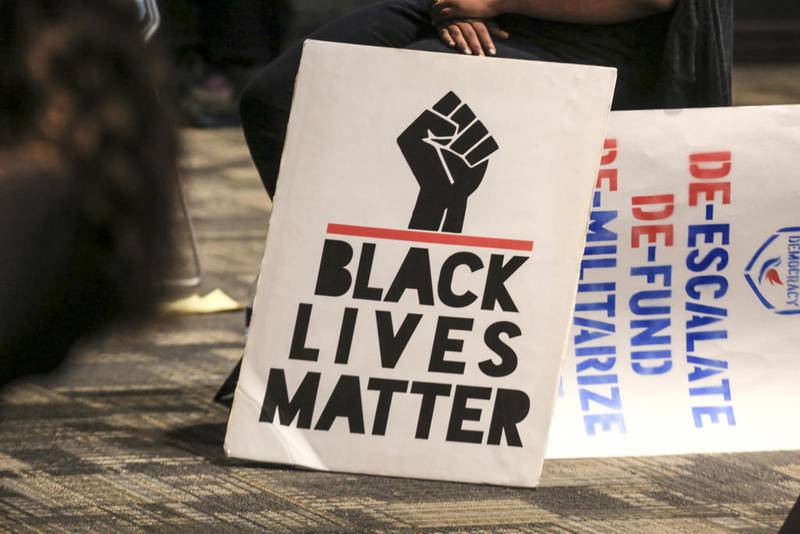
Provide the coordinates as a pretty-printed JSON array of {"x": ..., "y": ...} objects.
[{"x": 266, "y": 102}]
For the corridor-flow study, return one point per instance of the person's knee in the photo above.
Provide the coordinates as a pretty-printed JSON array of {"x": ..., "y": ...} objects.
[
  {"x": 249, "y": 102},
  {"x": 263, "y": 105},
  {"x": 257, "y": 95},
  {"x": 264, "y": 120},
  {"x": 273, "y": 85}
]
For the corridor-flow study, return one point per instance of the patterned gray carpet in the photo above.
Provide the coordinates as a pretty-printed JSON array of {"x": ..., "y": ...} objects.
[{"x": 125, "y": 437}]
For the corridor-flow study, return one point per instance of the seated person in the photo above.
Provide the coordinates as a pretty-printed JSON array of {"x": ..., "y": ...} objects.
[
  {"x": 669, "y": 53},
  {"x": 87, "y": 157}
]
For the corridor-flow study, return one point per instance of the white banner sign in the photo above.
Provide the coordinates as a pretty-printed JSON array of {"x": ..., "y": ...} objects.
[
  {"x": 420, "y": 270},
  {"x": 686, "y": 334}
]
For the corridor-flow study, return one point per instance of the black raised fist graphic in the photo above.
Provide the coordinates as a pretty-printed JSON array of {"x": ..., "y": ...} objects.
[{"x": 448, "y": 151}]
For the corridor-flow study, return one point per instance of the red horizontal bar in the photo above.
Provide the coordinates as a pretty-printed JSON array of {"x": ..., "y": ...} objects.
[{"x": 430, "y": 237}]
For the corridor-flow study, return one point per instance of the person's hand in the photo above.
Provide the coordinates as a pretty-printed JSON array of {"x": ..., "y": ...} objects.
[
  {"x": 444, "y": 10},
  {"x": 471, "y": 36}
]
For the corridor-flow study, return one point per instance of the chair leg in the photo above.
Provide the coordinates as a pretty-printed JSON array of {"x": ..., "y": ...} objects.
[
  {"x": 152, "y": 20},
  {"x": 189, "y": 281}
]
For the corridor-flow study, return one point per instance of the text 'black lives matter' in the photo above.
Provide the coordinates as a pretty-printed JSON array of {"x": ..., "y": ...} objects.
[{"x": 447, "y": 149}]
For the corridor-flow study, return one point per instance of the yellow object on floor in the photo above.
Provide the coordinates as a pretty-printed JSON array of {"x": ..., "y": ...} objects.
[{"x": 215, "y": 302}]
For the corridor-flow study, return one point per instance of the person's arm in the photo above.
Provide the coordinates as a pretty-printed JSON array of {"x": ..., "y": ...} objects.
[{"x": 576, "y": 11}]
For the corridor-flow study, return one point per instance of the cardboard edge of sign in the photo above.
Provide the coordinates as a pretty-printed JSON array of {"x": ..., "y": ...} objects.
[
  {"x": 240, "y": 451},
  {"x": 527, "y": 477}
]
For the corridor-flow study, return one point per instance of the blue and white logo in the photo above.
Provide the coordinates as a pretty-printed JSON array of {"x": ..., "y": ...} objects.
[{"x": 774, "y": 272}]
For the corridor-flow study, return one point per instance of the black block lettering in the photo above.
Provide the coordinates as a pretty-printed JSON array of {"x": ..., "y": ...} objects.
[
  {"x": 346, "y": 335},
  {"x": 460, "y": 413},
  {"x": 392, "y": 345},
  {"x": 387, "y": 389},
  {"x": 446, "y": 293},
  {"x": 361, "y": 289},
  {"x": 414, "y": 273},
  {"x": 511, "y": 407},
  {"x": 333, "y": 280},
  {"x": 508, "y": 358},
  {"x": 345, "y": 401},
  {"x": 442, "y": 343},
  {"x": 495, "y": 282},
  {"x": 298, "y": 350},
  {"x": 277, "y": 397},
  {"x": 429, "y": 392}
]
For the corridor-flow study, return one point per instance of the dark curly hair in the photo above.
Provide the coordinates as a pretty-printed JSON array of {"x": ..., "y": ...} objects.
[{"x": 87, "y": 163}]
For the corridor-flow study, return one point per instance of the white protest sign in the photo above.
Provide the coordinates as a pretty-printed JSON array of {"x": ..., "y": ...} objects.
[
  {"x": 686, "y": 335},
  {"x": 420, "y": 270}
]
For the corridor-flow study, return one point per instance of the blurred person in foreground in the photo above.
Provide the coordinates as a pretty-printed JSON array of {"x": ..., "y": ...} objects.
[
  {"x": 669, "y": 53},
  {"x": 87, "y": 156}
]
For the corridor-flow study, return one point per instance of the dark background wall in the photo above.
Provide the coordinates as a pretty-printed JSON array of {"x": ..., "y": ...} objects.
[{"x": 767, "y": 30}]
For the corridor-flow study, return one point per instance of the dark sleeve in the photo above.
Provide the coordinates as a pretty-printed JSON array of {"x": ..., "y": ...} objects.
[{"x": 698, "y": 55}]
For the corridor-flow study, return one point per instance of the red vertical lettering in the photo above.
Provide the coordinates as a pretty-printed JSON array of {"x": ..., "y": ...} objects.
[
  {"x": 710, "y": 165},
  {"x": 653, "y": 207}
]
